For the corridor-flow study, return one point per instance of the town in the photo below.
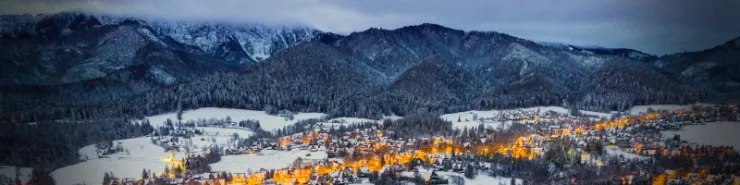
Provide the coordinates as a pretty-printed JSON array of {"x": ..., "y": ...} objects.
[{"x": 510, "y": 147}]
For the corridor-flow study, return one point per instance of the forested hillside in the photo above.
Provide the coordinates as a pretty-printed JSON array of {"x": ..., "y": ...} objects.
[
  {"x": 421, "y": 68},
  {"x": 716, "y": 69}
]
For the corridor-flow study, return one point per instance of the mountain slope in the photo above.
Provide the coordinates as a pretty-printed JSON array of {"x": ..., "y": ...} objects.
[
  {"x": 68, "y": 47},
  {"x": 717, "y": 69},
  {"x": 255, "y": 42},
  {"x": 435, "y": 83},
  {"x": 500, "y": 62},
  {"x": 309, "y": 77},
  {"x": 133, "y": 69}
]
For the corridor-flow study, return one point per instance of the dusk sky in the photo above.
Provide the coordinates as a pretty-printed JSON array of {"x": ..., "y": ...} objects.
[{"x": 653, "y": 26}]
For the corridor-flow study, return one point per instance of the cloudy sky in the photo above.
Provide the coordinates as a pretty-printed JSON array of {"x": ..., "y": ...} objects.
[{"x": 653, "y": 26}]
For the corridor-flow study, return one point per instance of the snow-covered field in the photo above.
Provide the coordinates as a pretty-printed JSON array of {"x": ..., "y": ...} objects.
[
  {"x": 643, "y": 108},
  {"x": 267, "y": 122},
  {"x": 466, "y": 118},
  {"x": 716, "y": 134},
  {"x": 10, "y": 171},
  {"x": 222, "y": 137},
  {"x": 352, "y": 120},
  {"x": 267, "y": 159},
  {"x": 616, "y": 151},
  {"x": 141, "y": 154},
  {"x": 225, "y": 132},
  {"x": 481, "y": 179},
  {"x": 345, "y": 121}
]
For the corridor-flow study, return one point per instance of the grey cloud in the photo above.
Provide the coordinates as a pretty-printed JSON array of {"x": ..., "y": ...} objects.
[{"x": 654, "y": 26}]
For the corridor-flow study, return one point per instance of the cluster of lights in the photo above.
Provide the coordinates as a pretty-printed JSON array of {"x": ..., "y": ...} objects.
[{"x": 382, "y": 154}]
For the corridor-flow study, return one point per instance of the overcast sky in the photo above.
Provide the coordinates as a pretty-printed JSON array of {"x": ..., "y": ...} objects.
[{"x": 653, "y": 26}]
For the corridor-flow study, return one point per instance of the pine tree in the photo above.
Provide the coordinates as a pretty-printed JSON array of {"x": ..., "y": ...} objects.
[
  {"x": 144, "y": 174},
  {"x": 40, "y": 177},
  {"x": 106, "y": 178},
  {"x": 470, "y": 171}
]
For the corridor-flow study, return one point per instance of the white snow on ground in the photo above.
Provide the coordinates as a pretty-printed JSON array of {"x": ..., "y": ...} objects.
[
  {"x": 466, "y": 118},
  {"x": 345, "y": 121},
  {"x": 715, "y": 133},
  {"x": 92, "y": 171},
  {"x": 643, "y": 108},
  {"x": 468, "y": 115},
  {"x": 268, "y": 159},
  {"x": 88, "y": 152},
  {"x": 141, "y": 154},
  {"x": 496, "y": 125},
  {"x": 480, "y": 179},
  {"x": 352, "y": 120},
  {"x": 597, "y": 114},
  {"x": 616, "y": 151},
  {"x": 10, "y": 172},
  {"x": 267, "y": 122},
  {"x": 225, "y": 132},
  {"x": 222, "y": 137},
  {"x": 391, "y": 117}
]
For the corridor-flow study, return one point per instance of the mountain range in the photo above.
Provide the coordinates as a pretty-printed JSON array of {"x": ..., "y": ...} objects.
[{"x": 70, "y": 64}]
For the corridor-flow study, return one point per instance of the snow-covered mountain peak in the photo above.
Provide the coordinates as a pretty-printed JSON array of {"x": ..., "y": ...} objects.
[{"x": 257, "y": 41}]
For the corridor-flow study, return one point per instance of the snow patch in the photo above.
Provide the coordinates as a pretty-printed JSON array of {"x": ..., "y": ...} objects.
[
  {"x": 352, "y": 120},
  {"x": 616, "y": 152},
  {"x": 258, "y": 41},
  {"x": 697, "y": 68},
  {"x": 588, "y": 61},
  {"x": 267, "y": 159},
  {"x": 467, "y": 118},
  {"x": 519, "y": 52},
  {"x": 640, "y": 109},
  {"x": 161, "y": 76},
  {"x": 637, "y": 55},
  {"x": 480, "y": 179},
  {"x": 139, "y": 154},
  {"x": 267, "y": 122}
]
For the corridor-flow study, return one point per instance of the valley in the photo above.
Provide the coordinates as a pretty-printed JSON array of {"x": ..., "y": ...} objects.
[
  {"x": 92, "y": 98},
  {"x": 363, "y": 150}
]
